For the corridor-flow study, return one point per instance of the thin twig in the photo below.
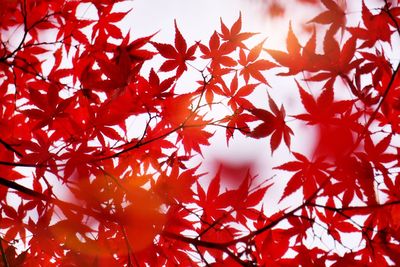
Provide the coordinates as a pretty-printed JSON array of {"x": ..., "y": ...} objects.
[{"x": 3, "y": 254}]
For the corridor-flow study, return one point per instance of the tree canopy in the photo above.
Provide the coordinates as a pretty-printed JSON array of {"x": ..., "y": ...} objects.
[{"x": 102, "y": 140}]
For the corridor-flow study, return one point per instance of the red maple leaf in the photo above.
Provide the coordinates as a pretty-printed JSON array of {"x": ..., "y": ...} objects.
[
  {"x": 297, "y": 59},
  {"x": 218, "y": 53},
  {"x": 324, "y": 110},
  {"x": 273, "y": 123},
  {"x": 335, "y": 15},
  {"x": 308, "y": 174},
  {"x": 377, "y": 28},
  {"x": 176, "y": 56},
  {"x": 238, "y": 122},
  {"x": 336, "y": 61},
  {"x": 238, "y": 95},
  {"x": 234, "y": 37},
  {"x": 253, "y": 67},
  {"x": 337, "y": 224}
]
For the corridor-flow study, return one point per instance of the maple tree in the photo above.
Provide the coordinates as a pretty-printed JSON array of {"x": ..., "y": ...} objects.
[{"x": 98, "y": 141}]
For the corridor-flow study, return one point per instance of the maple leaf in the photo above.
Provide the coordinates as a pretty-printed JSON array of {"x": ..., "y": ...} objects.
[
  {"x": 299, "y": 227},
  {"x": 324, "y": 110},
  {"x": 211, "y": 201},
  {"x": 336, "y": 61},
  {"x": 272, "y": 249},
  {"x": 335, "y": 15},
  {"x": 377, "y": 154},
  {"x": 238, "y": 121},
  {"x": 234, "y": 37},
  {"x": 273, "y": 123},
  {"x": 267, "y": 127},
  {"x": 105, "y": 26},
  {"x": 362, "y": 187},
  {"x": 253, "y": 67},
  {"x": 282, "y": 131},
  {"x": 47, "y": 108},
  {"x": 336, "y": 222},
  {"x": 308, "y": 174},
  {"x": 113, "y": 74},
  {"x": 135, "y": 49},
  {"x": 118, "y": 73},
  {"x": 377, "y": 28},
  {"x": 78, "y": 161},
  {"x": 176, "y": 56},
  {"x": 238, "y": 95},
  {"x": 42, "y": 228},
  {"x": 276, "y": 10},
  {"x": 13, "y": 220},
  {"x": 39, "y": 152},
  {"x": 297, "y": 59},
  {"x": 72, "y": 28},
  {"x": 193, "y": 135},
  {"x": 155, "y": 89},
  {"x": 211, "y": 87},
  {"x": 176, "y": 110},
  {"x": 242, "y": 199},
  {"x": 217, "y": 52},
  {"x": 334, "y": 120},
  {"x": 14, "y": 259}
]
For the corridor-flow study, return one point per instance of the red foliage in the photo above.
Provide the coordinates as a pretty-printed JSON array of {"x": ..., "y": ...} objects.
[{"x": 96, "y": 155}]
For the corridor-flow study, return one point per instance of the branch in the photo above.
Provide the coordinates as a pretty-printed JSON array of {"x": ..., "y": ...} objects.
[
  {"x": 129, "y": 248},
  {"x": 60, "y": 203},
  {"x": 202, "y": 256},
  {"x": 384, "y": 95},
  {"x": 26, "y": 165},
  {"x": 23, "y": 189},
  {"x": 196, "y": 242},
  {"x": 389, "y": 86},
  {"x": 387, "y": 89},
  {"x": 280, "y": 219},
  {"x": 350, "y": 208},
  {"x": 3, "y": 254},
  {"x": 9, "y": 147},
  {"x": 27, "y": 29},
  {"x": 224, "y": 246}
]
